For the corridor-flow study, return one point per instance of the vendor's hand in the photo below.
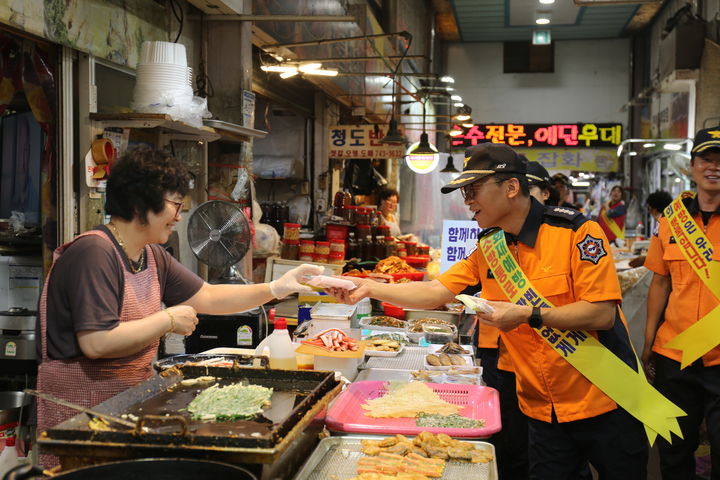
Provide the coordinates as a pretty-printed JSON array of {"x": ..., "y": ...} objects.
[
  {"x": 184, "y": 319},
  {"x": 351, "y": 297},
  {"x": 290, "y": 282},
  {"x": 506, "y": 316},
  {"x": 648, "y": 361}
]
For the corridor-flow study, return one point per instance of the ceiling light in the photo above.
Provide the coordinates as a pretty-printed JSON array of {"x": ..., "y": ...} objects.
[
  {"x": 542, "y": 21},
  {"x": 672, "y": 146},
  {"x": 288, "y": 74},
  {"x": 278, "y": 68},
  {"x": 323, "y": 72},
  {"x": 450, "y": 166},
  {"x": 632, "y": 154},
  {"x": 459, "y": 104},
  {"x": 309, "y": 66},
  {"x": 648, "y": 145},
  {"x": 678, "y": 180},
  {"x": 393, "y": 137},
  {"x": 447, "y": 79},
  {"x": 547, "y": 2},
  {"x": 449, "y": 89},
  {"x": 423, "y": 148},
  {"x": 456, "y": 98},
  {"x": 581, "y": 184},
  {"x": 455, "y": 131},
  {"x": 462, "y": 117},
  {"x": 468, "y": 125}
]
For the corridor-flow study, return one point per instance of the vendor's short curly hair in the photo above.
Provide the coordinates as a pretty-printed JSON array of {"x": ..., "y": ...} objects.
[
  {"x": 139, "y": 181},
  {"x": 387, "y": 192}
]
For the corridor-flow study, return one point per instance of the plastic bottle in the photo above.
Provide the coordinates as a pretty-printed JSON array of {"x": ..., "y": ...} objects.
[
  {"x": 639, "y": 231},
  {"x": 282, "y": 352},
  {"x": 8, "y": 457}
]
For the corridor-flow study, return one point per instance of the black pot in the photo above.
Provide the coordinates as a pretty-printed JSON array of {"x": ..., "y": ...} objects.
[{"x": 145, "y": 468}]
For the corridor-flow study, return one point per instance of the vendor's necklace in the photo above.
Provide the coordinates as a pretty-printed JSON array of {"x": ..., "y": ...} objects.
[{"x": 119, "y": 239}]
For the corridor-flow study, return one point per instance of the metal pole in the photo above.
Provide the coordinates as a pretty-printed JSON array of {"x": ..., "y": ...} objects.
[
  {"x": 280, "y": 18},
  {"x": 333, "y": 40}
]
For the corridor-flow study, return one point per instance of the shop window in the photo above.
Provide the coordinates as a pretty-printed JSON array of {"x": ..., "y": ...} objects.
[{"x": 114, "y": 88}]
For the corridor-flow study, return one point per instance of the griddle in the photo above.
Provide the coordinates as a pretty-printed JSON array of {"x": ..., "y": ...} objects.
[{"x": 299, "y": 396}]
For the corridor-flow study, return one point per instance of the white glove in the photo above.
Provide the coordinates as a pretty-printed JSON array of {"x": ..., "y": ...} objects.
[{"x": 290, "y": 282}]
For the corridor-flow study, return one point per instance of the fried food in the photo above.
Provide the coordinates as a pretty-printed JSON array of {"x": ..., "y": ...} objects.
[
  {"x": 393, "y": 264},
  {"x": 433, "y": 360},
  {"x": 452, "y": 347},
  {"x": 457, "y": 360},
  {"x": 445, "y": 360},
  {"x": 408, "y": 401},
  {"x": 438, "y": 447}
]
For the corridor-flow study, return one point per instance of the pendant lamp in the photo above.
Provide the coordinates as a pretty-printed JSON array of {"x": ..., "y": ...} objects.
[
  {"x": 393, "y": 137},
  {"x": 423, "y": 148},
  {"x": 450, "y": 167}
]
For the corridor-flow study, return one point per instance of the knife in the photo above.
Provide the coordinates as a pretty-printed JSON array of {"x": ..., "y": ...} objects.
[{"x": 74, "y": 406}]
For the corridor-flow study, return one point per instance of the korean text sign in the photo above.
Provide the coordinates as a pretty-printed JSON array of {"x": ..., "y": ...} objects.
[
  {"x": 361, "y": 141},
  {"x": 579, "y": 135},
  {"x": 459, "y": 240}
]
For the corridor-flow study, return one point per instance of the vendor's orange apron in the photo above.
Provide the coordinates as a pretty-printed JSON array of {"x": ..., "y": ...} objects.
[{"x": 89, "y": 382}]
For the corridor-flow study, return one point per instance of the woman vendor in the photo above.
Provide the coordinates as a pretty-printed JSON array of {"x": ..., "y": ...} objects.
[
  {"x": 612, "y": 215},
  {"x": 101, "y": 312},
  {"x": 388, "y": 199}
]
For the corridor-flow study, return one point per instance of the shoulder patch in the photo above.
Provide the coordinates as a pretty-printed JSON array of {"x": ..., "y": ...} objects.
[
  {"x": 591, "y": 249},
  {"x": 564, "y": 217}
]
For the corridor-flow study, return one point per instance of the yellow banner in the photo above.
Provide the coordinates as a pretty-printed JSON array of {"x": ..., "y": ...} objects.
[
  {"x": 628, "y": 388},
  {"x": 610, "y": 222},
  {"x": 704, "y": 335}
]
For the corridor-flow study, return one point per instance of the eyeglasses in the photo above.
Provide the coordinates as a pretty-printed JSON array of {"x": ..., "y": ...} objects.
[
  {"x": 178, "y": 205},
  {"x": 472, "y": 189}
]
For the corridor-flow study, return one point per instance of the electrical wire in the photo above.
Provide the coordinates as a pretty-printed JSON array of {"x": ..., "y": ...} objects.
[{"x": 180, "y": 17}]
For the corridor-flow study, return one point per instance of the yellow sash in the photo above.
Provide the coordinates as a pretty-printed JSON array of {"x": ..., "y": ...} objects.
[
  {"x": 610, "y": 222},
  {"x": 625, "y": 386},
  {"x": 703, "y": 335}
]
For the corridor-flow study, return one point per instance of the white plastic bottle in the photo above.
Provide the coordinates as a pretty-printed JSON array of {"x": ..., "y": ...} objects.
[
  {"x": 282, "y": 351},
  {"x": 8, "y": 457}
]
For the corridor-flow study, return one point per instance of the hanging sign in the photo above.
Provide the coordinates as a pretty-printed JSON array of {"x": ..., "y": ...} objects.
[
  {"x": 582, "y": 159},
  {"x": 541, "y": 135},
  {"x": 459, "y": 240},
  {"x": 361, "y": 141}
]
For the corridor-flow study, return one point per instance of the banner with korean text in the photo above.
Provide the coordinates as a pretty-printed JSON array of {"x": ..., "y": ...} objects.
[
  {"x": 361, "y": 141},
  {"x": 459, "y": 240}
]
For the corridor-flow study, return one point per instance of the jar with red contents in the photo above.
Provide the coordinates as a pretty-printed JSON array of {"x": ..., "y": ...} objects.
[
  {"x": 402, "y": 252},
  {"x": 322, "y": 248},
  {"x": 362, "y": 216},
  {"x": 337, "y": 246},
  {"x": 336, "y": 258},
  {"x": 423, "y": 249},
  {"x": 411, "y": 248}
]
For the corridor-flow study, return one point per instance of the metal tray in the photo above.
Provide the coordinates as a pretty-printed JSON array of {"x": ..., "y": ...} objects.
[
  {"x": 364, "y": 323},
  {"x": 205, "y": 359},
  {"x": 411, "y": 358},
  {"x": 452, "y": 317},
  {"x": 299, "y": 396},
  {"x": 336, "y": 458}
]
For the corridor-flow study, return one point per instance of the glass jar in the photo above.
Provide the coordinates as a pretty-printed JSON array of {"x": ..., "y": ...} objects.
[
  {"x": 350, "y": 214},
  {"x": 391, "y": 246},
  {"x": 339, "y": 203},
  {"x": 320, "y": 257},
  {"x": 290, "y": 249},
  {"x": 336, "y": 258},
  {"x": 292, "y": 231},
  {"x": 362, "y": 216},
  {"x": 402, "y": 252},
  {"x": 307, "y": 249},
  {"x": 352, "y": 247},
  {"x": 322, "y": 248},
  {"x": 423, "y": 249},
  {"x": 362, "y": 230},
  {"x": 382, "y": 231},
  {"x": 411, "y": 248},
  {"x": 366, "y": 248},
  {"x": 336, "y": 246},
  {"x": 379, "y": 248}
]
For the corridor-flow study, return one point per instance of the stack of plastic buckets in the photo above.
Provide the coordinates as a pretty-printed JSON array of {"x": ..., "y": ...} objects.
[{"x": 164, "y": 81}]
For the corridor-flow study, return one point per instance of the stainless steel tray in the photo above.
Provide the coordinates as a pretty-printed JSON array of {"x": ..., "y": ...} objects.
[
  {"x": 336, "y": 458},
  {"x": 384, "y": 374},
  {"x": 411, "y": 358}
]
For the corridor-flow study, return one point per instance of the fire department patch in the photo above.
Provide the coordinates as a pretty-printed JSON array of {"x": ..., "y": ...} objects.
[{"x": 591, "y": 249}]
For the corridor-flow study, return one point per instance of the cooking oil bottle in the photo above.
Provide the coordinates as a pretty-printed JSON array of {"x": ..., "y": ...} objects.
[{"x": 282, "y": 351}]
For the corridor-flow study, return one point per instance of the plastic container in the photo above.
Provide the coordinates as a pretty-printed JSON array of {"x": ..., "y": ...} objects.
[
  {"x": 418, "y": 261},
  {"x": 292, "y": 231},
  {"x": 8, "y": 457},
  {"x": 335, "y": 232},
  {"x": 411, "y": 248},
  {"x": 393, "y": 310},
  {"x": 307, "y": 250},
  {"x": 336, "y": 258},
  {"x": 282, "y": 352},
  {"x": 320, "y": 258},
  {"x": 348, "y": 367},
  {"x": 337, "y": 246},
  {"x": 402, "y": 252},
  {"x": 322, "y": 248},
  {"x": 290, "y": 249}
]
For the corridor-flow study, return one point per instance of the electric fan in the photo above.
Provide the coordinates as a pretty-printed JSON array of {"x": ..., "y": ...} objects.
[{"x": 219, "y": 236}]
